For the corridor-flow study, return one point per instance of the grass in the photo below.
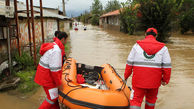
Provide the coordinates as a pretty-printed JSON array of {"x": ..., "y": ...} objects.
[
  {"x": 27, "y": 83},
  {"x": 67, "y": 48}
]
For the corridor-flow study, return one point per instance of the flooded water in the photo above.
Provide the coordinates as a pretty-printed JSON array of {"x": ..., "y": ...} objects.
[
  {"x": 12, "y": 100},
  {"x": 97, "y": 46}
]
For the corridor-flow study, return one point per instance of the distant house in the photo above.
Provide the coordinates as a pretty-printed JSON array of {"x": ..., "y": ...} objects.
[
  {"x": 52, "y": 22},
  {"x": 110, "y": 19}
]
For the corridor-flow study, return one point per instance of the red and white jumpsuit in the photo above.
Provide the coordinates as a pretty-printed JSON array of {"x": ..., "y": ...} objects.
[
  {"x": 49, "y": 73},
  {"x": 150, "y": 62}
]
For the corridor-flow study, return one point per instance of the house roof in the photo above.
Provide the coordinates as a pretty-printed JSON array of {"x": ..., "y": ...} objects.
[
  {"x": 22, "y": 6},
  {"x": 113, "y": 13},
  {"x": 117, "y": 12}
]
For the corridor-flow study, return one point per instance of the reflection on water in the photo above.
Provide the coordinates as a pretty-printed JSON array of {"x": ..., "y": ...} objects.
[{"x": 96, "y": 46}]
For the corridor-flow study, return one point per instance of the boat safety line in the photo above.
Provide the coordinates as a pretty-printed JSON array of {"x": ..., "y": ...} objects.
[{"x": 89, "y": 105}]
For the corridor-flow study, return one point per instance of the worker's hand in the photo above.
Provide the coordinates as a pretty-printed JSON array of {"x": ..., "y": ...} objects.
[{"x": 163, "y": 83}]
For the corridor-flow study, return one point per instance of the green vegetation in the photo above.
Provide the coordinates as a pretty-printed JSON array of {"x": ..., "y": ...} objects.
[
  {"x": 67, "y": 48},
  {"x": 96, "y": 11},
  {"x": 85, "y": 17},
  {"x": 187, "y": 16},
  {"x": 24, "y": 61},
  {"x": 112, "y": 5},
  {"x": 128, "y": 18},
  {"x": 159, "y": 14},
  {"x": 138, "y": 15},
  {"x": 27, "y": 83},
  {"x": 25, "y": 70}
]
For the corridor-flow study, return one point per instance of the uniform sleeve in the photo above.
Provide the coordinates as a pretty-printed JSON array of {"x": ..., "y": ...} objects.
[
  {"x": 55, "y": 64},
  {"x": 166, "y": 66},
  {"x": 129, "y": 65}
]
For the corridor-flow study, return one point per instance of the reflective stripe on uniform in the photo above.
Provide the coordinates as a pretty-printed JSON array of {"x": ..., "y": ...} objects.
[
  {"x": 55, "y": 68},
  {"x": 150, "y": 104},
  {"x": 166, "y": 65},
  {"x": 49, "y": 101},
  {"x": 130, "y": 62},
  {"x": 47, "y": 66},
  {"x": 135, "y": 107},
  {"x": 149, "y": 64},
  {"x": 43, "y": 64}
]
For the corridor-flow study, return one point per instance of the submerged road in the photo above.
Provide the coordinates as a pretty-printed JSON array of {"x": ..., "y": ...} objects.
[{"x": 97, "y": 46}]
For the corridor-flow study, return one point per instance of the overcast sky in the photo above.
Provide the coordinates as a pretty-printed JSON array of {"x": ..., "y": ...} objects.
[{"x": 72, "y": 6}]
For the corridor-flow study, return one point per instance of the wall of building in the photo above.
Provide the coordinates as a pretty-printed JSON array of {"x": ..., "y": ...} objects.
[
  {"x": 50, "y": 26},
  {"x": 64, "y": 26},
  {"x": 110, "y": 22}
]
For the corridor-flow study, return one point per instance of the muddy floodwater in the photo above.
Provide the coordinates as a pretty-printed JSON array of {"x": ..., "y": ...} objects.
[{"x": 97, "y": 46}]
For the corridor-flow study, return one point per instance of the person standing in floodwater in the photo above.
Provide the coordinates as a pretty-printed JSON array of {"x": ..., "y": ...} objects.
[
  {"x": 49, "y": 72},
  {"x": 85, "y": 27},
  {"x": 150, "y": 62}
]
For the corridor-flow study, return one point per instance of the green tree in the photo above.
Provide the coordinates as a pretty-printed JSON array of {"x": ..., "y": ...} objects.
[
  {"x": 96, "y": 11},
  {"x": 187, "y": 16},
  {"x": 128, "y": 18},
  {"x": 187, "y": 5},
  {"x": 85, "y": 17},
  {"x": 159, "y": 14},
  {"x": 112, "y": 5},
  {"x": 187, "y": 21}
]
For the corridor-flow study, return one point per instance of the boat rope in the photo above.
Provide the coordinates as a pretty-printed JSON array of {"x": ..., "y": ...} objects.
[
  {"x": 68, "y": 81},
  {"x": 123, "y": 84},
  {"x": 69, "y": 93}
]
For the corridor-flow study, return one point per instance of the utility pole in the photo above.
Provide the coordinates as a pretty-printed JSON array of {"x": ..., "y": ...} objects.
[
  {"x": 9, "y": 40},
  {"x": 41, "y": 20},
  {"x": 33, "y": 30},
  {"x": 64, "y": 13}
]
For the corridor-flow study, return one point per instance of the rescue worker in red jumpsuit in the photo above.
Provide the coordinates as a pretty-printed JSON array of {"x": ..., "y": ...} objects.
[
  {"x": 49, "y": 73},
  {"x": 150, "y": 62}
]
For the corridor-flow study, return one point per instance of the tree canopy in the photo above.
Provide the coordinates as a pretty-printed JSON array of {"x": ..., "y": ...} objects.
[
  {"x": 159, "y": 14},
  {"x": 112, "y": 5},
  {"x": 96, "y": 11}
]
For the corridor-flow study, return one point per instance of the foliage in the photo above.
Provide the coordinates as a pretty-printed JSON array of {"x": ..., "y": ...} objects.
[
  {"x": 159, "y": 14},
  {"x": 112, "y": 5},
  {"x": 187, "y": 21},
  {"x": 67, "y": 48},
  {"x": 78, "y": 18},
  {"x": 96, "y": 11},
  {"x": 85, "y": 17},
  {"x": 24, "y": 61},
  {"x": 187, "y": 16},
  {"x": 128, "y": 18},
  {"x": 27, "y": 83},
  {"x": 187, "y": 5}
]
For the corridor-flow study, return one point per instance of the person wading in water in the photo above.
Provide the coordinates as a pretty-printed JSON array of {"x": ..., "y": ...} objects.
[{"x": 150, "y": 62}]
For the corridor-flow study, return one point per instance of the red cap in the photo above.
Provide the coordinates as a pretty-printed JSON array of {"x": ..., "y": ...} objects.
[{"x": 152, "y": 29}]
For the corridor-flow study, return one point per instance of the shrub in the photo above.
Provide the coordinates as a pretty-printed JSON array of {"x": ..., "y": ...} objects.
[
  {"x": 187, "y": 21},
  {"x": 159, "y": 14},
  {"x": 27, "y": 83},
  {"x": 128, "y": 18},
  {"x": 24, "y": 61}
]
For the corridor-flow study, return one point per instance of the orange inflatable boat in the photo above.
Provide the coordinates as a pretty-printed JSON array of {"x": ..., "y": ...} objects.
[{"x": 77, "y": 96}]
